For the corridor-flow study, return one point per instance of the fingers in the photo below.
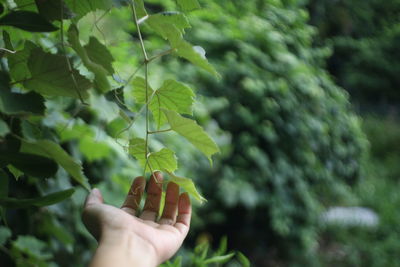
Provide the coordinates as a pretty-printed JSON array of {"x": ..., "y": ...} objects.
[
  {"x": 171, "y": 204},
  {"x": 152, "y": 204},
  {"x": 184, "y": 214},
  {"x": 94, "y": 197},
  {"x": 134, "y": 196}
]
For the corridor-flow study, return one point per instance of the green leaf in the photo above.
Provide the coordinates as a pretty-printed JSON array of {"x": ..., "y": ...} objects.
[
  {"x": 100, "y": 81},
  {"x": 187, "y": 184},
  {"x": 174, "y": 96},
  {"x": 5, "y": 234},
  {"x": 139, "y": 90},
  {"x": 51, "y": 76},
  {"x": 28, "y": 21},
  {"x": 37, "y": 202},
  {"x": 7, "y": 40},
  {"x": 244, "y": 261},
  {"x": 17, "y": 63},
  {"x": 4, "y": 130},
  {"x": 30, "y": 164},
  {"x": 164, "y": 159},
  {"x": 28, "y": 5},
  {"x": 158, "y": 21},
  {"x": 192, "y": 132},
  {"x": 185, "y": 49},
  {"x": 188, "y": 5},
  {"x": 19, "y": 104},
  {"x": 140, "y": 9},
  {"x": 52, "y": 150},
  {"x": 51, "y": 9},
  {"x": 32, "y": 247},
  {"x": 99, "y": 54},
  {"x": 219, "y": 259},
  {"x": 81, "y": 8}
]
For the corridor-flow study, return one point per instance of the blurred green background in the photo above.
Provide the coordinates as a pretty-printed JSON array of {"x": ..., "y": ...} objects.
[{"x": 307, "y": 118}]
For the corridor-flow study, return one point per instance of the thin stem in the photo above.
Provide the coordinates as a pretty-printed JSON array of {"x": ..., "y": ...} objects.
[
  {"x": 139, "y": 32},
  {"x": 159, "y": 131},
  {"x": 67, "y": 59},
  {"x": 7, "y": 50},
  {"x": 161, "y": 54}
]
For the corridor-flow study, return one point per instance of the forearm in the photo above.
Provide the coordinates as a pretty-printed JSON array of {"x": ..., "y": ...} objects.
[{"x": 123, "y": 250}]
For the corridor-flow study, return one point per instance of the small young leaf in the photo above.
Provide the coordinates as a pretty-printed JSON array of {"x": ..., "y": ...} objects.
[
  {"x": 187, "y": 184},
  {"x": 188, "y": 5},
  {"x": 139, "y": 90},
  {"x": 28, "y": 21},
  {"x": 162, "y": 160},
  {"x": 100, "y": 73},
  {"x": 52, "y": 150},
  {"x": 47, "y": 200},
  {"x": 51, "y": 76},
  {"x": 243, "y": 260},
  {"x": 192, "y": 132},
  {"x": 30, "y": 164}
]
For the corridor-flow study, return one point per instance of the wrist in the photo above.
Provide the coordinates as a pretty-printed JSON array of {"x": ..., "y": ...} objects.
[{"x": 123, "y": 248}]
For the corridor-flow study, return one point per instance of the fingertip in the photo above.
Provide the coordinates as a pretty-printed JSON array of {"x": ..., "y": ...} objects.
[{"x": 94, "y": 197}]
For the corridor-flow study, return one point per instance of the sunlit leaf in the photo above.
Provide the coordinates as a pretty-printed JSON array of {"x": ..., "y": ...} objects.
[
  {"x": 187, "y": 184},
  {"x": 192, "y": 132},
  {"x": 81, "y": 8},
  {"x": 140, "y": 9},
  {"x": 172, "y": 95},
  {"x": 185, "y": 49},
  {"x": 188, "y": 5},
  {"x": 137, "y": 148},
  {"x": 219, "y": 259},
  {"x": 28, "y": 21},
  {"x": 51, "y": 76},
  {"x": 52, "y": 150},
  {"x": 38, "y": 202},
  {"x": 139, "y": 90},
  {"x": 158, "y": 21},
  {"x": 100, "y": 81}
]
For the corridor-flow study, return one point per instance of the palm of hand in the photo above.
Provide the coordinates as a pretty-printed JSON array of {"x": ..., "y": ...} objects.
[{"x": 164, "y": 237}]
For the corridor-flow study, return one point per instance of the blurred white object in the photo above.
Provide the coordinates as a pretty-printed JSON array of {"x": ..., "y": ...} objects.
[
  {"x": 200, "y": 50},
  {"x": 350, "y": 216}
]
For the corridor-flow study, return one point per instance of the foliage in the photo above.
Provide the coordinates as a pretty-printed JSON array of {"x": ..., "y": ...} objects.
[
  {"x": 69, "y": 117},
  {"x": 294, "y": 144},
  {"x": 364, "y": 36}
]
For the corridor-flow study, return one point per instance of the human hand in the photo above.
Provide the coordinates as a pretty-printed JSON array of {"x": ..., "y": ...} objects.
[{"x": 129, "y": 239}]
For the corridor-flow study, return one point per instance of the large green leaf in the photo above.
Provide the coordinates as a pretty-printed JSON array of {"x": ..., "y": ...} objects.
[
  {"x": 47, "y": 200},
  {"x": 52, "y": 150},
  {"x": 186, "y": 50},
  {"x": 81, "y": 8},
  {"x": 188, "y": 5},
  {"x": 4, "y": 130},
  {"x": 172, "y": 95},
  {"x": 52, "y": 77},
  {"x": 187, "y": 184},
  {"x": 28, "y": 21},
  {"x": 158, "y": 21},
  {"x": 192, "y": 132},
  {"x": 99, "y": 54},
  {"x": 100, "y": 81},
  {"x": 51, "y": 9},
  {"x": 164, "y": 159},
  {"x": 18, "y": 62},
  {"x": 30, "y": 164},
  {"x": 19, "y": 104}
]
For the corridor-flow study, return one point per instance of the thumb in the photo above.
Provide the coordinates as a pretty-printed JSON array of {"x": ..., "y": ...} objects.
[{"x": 94, "y": 197}]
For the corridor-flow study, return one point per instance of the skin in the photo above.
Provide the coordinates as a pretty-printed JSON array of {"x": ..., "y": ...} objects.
[{"x": 129, "y": 238}]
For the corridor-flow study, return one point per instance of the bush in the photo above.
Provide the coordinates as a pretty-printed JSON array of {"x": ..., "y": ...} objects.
[{"x": 295, "y": 143}]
